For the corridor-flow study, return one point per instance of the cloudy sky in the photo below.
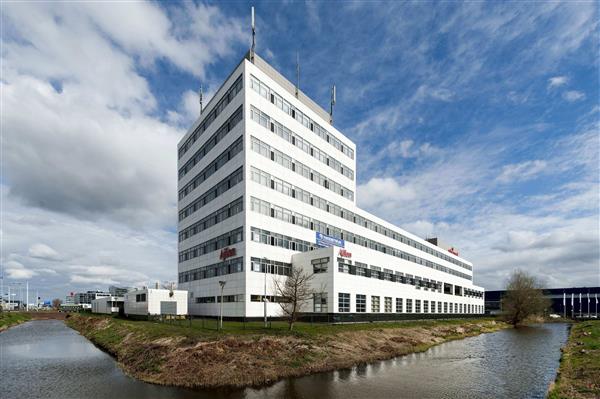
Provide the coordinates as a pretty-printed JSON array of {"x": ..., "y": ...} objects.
[{"x": 475, "y": 122}]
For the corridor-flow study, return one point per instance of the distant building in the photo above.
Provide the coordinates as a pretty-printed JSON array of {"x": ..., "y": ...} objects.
[
  {"x": 85, "y": 298},
  {"x": 575, "y": 301},
  {"x": 118, "y": 291},
  {"x": 155, "y": 302}
]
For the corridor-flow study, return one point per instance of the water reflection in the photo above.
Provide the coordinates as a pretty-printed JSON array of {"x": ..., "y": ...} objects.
[{"x": 46, "y": 359}]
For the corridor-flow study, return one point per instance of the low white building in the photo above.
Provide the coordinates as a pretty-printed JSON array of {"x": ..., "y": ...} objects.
[
  {"x": 155, "y": 301},
  {"x": 108, "y": 305}
]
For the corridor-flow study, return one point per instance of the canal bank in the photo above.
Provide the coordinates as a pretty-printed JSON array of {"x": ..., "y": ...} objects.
[
  {"x": 252, "y": 356},
  {"x": 579, "y": 373},
  {"x": 10, "y": 319}
]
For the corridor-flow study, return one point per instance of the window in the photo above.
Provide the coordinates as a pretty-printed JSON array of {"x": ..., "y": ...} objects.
[
  {"x": 320, "y": 265},
  {"x": 445, "y": 307},
  {"x": 409, "y": 306},
  {"x": 456, "y": 308},
  {"x": 439, "y": 307},
  {"x": 375, "y": 308},
  {"x": 343, "y": 302},
  {"x": 388, "y": 304},
  {"x": 140, "y": 298},
  {"x": 320, "y": 302},
  {"x": 425, "y": 306},
  {"x": 361, "y": 303},
  {"x": 398, "y": 305},
  {"x": 206, "y": 299},
  {"x": 417, "y": 306},
  {"x": 432, "y": 306}
]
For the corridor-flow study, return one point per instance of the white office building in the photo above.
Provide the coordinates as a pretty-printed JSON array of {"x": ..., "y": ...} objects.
[{"x": 267, "y": 183}]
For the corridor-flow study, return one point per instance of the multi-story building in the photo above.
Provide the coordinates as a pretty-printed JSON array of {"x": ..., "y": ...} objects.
[{"x": 267, "y": 183}]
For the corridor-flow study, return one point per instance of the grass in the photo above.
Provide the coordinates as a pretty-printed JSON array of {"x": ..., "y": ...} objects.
[
  {"x": 9, "y": 319},
  {"x": 208, "y": 328},
  {"x": 579, "y": 373}
]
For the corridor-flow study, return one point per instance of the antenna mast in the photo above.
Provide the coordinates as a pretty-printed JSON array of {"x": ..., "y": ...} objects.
[
  {"x": 332, "y": 104},
  {"x": 297, "y": 72},
  {"x": 253, "y": 38},
  {"x": 200, "y": 95}
]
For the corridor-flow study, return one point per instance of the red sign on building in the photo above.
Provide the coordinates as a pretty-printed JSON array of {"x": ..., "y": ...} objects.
[
  {"x": 345, "y": 254},
  {"x": 227, "y": 253},
  {"x": 453, "y": 251}
]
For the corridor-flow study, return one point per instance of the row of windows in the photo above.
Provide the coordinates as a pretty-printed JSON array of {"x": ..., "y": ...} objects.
[
  {"x": 217, "y": 299},
  {"x": 272, "y": 96},
  {"x": 388, "y": 305},
  {"x": 213, "y": 244},
  {"x": 229, "y": 210},
  {"x": 286, "y": 215},
  {"x": 229, "y": 266},
  {"x": 265, "y": 265},
  {"x": 266, "y": 121},
  {"x": 361, "y": 269},
  {"x": 213, "y": 192},
  {"x": 290, "y": 190},
  {"x": 289, "y": 163},
  {"x": 269, "y": 298},
  {"x": 235, "y": 88},
  {"x": 214, "y": 166},
  {"x": 279, "y": 240},
  {"x": 227, "y": 127}
]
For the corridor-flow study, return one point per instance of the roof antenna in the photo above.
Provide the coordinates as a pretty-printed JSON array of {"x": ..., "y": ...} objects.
[
  {"x": 200, "y": 95},
  {"x": 297, "y": 73},
  {"x": 253, "y": 38},
  {"x": 332, "y": 104}
]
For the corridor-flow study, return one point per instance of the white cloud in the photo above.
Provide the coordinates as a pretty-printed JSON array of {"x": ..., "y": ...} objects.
[
  {"x": 573, "y": 95},
  {"x": 522, "y": 171},
  {"x": 43, "y": 251},
  {"x": 557, "y": 81}
]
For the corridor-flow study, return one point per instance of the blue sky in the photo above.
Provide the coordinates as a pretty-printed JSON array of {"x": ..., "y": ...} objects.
[{"x": 476, "y": 122}]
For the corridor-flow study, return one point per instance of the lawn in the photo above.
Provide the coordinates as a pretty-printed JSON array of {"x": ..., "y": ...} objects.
[{"x": 9, "y": 319}]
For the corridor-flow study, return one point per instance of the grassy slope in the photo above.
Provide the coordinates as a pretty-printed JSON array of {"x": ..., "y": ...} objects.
[
  {"x": 579, "y": 374},
  {"x": 9, "y": 319},
  {"x": 202, "y": 357}
]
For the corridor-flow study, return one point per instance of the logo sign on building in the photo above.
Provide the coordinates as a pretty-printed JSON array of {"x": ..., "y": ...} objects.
[
  {"x": 345, "y": 254},
  {"x": 323, "y": 241},
  {"x": 453, "y": 251},
  {"x": 227, "y": 253}
]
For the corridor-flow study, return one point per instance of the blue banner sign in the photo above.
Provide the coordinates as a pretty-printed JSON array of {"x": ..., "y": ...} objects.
[{"x": 323, "y": 240}]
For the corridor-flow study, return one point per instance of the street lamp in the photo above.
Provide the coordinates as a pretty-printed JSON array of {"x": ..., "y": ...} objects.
[{"x": 222, "y": 284}]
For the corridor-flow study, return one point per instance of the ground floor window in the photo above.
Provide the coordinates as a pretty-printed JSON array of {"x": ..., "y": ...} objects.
[
  {"x": 439, "y": 307},
  {"x": 409, "y": 306},
  {"x": 425, "y": 306},
  {"x": 417, "y": 306},
  {"x": 432, "y": 306},
  {"x": 456, "y": 308},
  {"x": 398, "y": 305},
  {"x": 388, "y": 304},
  {"x": 343, "y": 302},
  {"x": 361, "y": 303},
  {"x": 320, "y": 302},
  {"x": 445, "y": 307},
  {"x": 375, "y": 304}
]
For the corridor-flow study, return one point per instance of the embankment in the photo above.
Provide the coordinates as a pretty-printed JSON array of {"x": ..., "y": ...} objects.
[
  {"x": 579, "y": 372},
  {"x": 195, "y": 357},
  {"x": 9, "y": 319}
]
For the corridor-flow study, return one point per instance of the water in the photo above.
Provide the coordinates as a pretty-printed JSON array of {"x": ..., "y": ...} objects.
[{"x": 46, "y": 359}]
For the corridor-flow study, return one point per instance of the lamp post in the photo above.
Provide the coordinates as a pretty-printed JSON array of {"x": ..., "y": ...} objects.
[
  {"x": 265, "y": 292},
  {"x": 222, "y": 284}
]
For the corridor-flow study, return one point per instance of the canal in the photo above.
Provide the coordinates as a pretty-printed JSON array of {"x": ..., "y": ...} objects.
[{"x": 46, "y": 359}]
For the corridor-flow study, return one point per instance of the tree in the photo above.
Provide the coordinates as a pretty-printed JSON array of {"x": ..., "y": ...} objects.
[
  {"x": 56, "y": 303},
  {"x": 524, "y": 298},
  {"x": 294, "y": 292}
]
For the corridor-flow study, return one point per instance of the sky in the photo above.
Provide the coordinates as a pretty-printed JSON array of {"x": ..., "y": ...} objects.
[{"x": 475, "y": 122}]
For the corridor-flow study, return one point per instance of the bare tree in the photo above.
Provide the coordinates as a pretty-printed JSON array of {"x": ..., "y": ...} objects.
[
  {"x": 524, "y": 298},
  {"x": 293, "y": 293},
  {"x": 56, "y": 303}
]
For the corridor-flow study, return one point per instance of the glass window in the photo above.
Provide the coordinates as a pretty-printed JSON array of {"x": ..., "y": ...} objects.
[
  {"x": 398, "y": 305},
  {"x": 388, "y": 304},
  {"x": 361, "y": 303},
  {"x": 344, "y": 302},
  {"x": 320, "y": 302},
  {"x": 375, "y": 306}
]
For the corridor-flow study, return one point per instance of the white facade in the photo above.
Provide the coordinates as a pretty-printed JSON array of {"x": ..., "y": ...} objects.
[
  {"x": 107, "y": 304},
  {"x": 260, "y": 173},
  {"x": 155, "y": 301}
]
